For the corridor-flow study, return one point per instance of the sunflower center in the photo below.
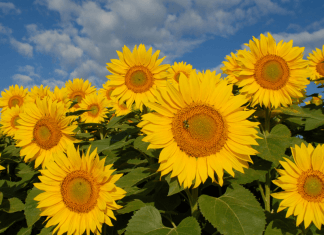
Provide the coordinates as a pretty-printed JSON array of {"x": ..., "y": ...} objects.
[
  {"x": 311, "y": 186},
  {"x": 15, "y": 100},
  {"x": 320, "y": 68},
  {"x": 47, "y": 133},
  {"x": 77, "y": 96},
  {"x": 176, "y": 77},
  {"x": 79, "y": 191},
  {"x": 271, "y": 72},
  {"x": 94, "y": 110},
  {"x": 199, "y": 130},
  {"x": 14, "y": 120},
  {"x": 139, "y": 79}
]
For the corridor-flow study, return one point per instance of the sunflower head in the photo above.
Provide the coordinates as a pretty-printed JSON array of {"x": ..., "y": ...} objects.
[
  {"x": 120, "y": 108},
  {"x": 60, "y": 95},
  {"x": 107, "y": 90},
  {"x": 43, "y": 130},
  {"x": 97, "y": 104},
  {"x": 40, "y": 92},
  {"x": 79, "y": 192},
  {"x": 177, "y": 68},
  {"x": 316, "y": 65},
  {"x": 136, "y": 75},
  {"x": 15, "y": 96},
  {"x": 303, "y": 185},
  {"x": 77, "y": 90},
  {"x": 9, "y": 120},
  {"x": 202, "y": 129},
  {"x": 271, "y": 73},
  {"x": 231, "y": 66}
]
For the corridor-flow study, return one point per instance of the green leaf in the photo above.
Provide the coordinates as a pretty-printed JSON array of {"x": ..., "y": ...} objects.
[
  {"x": 133, "y": 206},
  {"x": 25, "y": 231},
  {"x": 148, "y": 221},
  {"x": 1, "y": 197},
  {"x": 280, "y": 227},
  {"x": 47, "y": 231},
  {"x": 142, "y": 147},
  {"x": 11, "y": 153},
  {"x": 12, "y": 205},
  {"x": 105, "y": 144},
  {"x": 113, "y": 121},
  {"x": 273, "y": 146},
  {"x": 133, "y": 177},
  {"x": 31, "y": 212},
  {"x": 174, "y": 186},
  {"x": 6, "y": 220},
  {"x": 236, "y": 212},
  {"x": 25, "y": 172}
]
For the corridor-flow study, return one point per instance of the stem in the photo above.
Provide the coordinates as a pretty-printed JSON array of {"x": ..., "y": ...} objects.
[
  {"x": 170, "y": 220},
  {"x": 101, "y": 133},
  {"x": 193, "y": 201},
  {"x": 267, "y": 120},
  {"x": 267, "y": 192},
  {"x": 262, "y": 193},
  {"x": 104, "y": 230}
]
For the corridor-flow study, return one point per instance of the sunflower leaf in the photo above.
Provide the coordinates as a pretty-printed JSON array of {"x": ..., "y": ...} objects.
[
  {"x": 6, "y": 220},
  {"x": 25, "y": 231},
  {"x": 272, "y": 146},
  {"x": 32, "y": 213},
  {"x": 148, "y": 221},
  {"x": 142, "y": 147},
  {"x": 12, "y": 205},
  {"x": 235, "y": 212}
]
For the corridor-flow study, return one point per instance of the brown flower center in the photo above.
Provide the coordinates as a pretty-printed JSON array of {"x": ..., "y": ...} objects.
[
  {"x": 79, "y": 191},
  {"x": 320, "y": 68},
  {"x": 77, "y": 96},
  {"x": 47, "y": 133},
  {"x": 139, "y": 79},
  {"x": 271, "y": 72},
  {"x": 15, "y": 100},
  {"x": 94, "y": 110},
  {"x": 199, "y": 130},
  {"x": 311, "y": 186},
  {"x": 14, "y": 120}
]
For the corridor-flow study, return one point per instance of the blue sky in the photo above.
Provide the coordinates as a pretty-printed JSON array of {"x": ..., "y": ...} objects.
[{"x": 50, "y": 41}]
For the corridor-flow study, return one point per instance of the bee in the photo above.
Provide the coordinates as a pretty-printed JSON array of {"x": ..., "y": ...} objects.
[{"x": 185, "y": 124}]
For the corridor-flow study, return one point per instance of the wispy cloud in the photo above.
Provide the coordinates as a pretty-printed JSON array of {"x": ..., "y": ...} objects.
[{"x": 24, "y": 49}]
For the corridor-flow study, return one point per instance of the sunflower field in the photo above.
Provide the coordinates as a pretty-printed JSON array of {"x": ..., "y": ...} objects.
[{"x": 164, "y": 149}]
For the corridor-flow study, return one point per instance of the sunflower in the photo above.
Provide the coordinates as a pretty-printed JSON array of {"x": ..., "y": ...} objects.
[
  {"x": 303, "y": 182},
  {"x": 120, "y": 108},
  {"x": 98, "y": 106},
  {"x": 9, "y": 120},
  {"x": 272, "y": 73},
  {"x": 61, "y": 96},
  {"x": 107, "y": 90},
  {"x": 43, "y": 130},
  {"x": 202, "y": 129},
  {"x": 38, "y": 92},
  {"x": 2, "y": 168},
  {"x": 316, "y": 65},
  {"x": 80, "y": 192},
  {"x": 315, "y": 100},
  {"x": 137, "y": 75},
  {"x": 231, "y": 66},
  {"x": 174, "y": 71},
  {"x": 14, "y": 96},
  {"x": 77, "y": 90}
]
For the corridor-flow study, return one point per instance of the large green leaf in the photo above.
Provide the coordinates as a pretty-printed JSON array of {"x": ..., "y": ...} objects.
[
  {"x": 31, "y": 212},
  {"x": 133, "y": 206},
  {"x": 11, "y": 153},
  {"x": 25, "y": 172},
  {"x": 314, "y": 117},
  {"x": 25, "y": 231},
  {"x": 12, "y": 205},
  {"x": 273, "y": 145},
  {"x": 142, "y": 147},
  {"x": 148, "y": 221},
  {"x": 281, "y": 227},
  {"x": 237, "y": 212}
]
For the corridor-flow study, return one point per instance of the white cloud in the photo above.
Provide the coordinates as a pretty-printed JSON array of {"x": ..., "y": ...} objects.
[
  {"x": 61, "y": 73},
  {"x": 8, "y": 7},
  {"x": 52, "y": 83},
  {"x": 20, "y": 78},
  {"x": 24, "y": 49},
  {"x": 5, "y": 30},
  {"x": 30, "y": 70}
]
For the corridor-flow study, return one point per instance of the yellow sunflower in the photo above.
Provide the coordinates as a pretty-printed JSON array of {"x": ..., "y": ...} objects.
[
  {"x": 272, "y": 73},
  {"x": 14, "y": 96},
  {"x": 202, "y": 129},
  {"x": 316, "y": 65},
  {"x": 119, "y": 108},
  {"x": 38, "y": 92},
  {"x": 174, "y": 71},
  {"x": 231, "y": 66},
  {"x": 80, "y": 192},
  {"x": 303, "y": 182},
  {"x": 9, "y": 120},
  {"x": 77, "y": 90},
  {"x": 43, "y": 130},
  {"x": 2, "y": 168},
  {"x": 107, "y": 90},
  {"x": 61, "y": 96},
  {"x": 97, "y": 104},
  {"x": 315, "y": 100},
  {"x": 136, "y": 75}
]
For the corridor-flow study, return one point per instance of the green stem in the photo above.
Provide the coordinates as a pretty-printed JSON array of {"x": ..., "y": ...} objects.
[
  {"x": 193, "y": 200},
  {"x": 267, "y": 192},
  {"x": 262, "y": 193},
  {"x": 267, "y": 120}
]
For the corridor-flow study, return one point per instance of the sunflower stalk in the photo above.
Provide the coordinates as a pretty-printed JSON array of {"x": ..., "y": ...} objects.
[
  {"x": 193, "y": 201},
  {"x": 267, "y": 129}
]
